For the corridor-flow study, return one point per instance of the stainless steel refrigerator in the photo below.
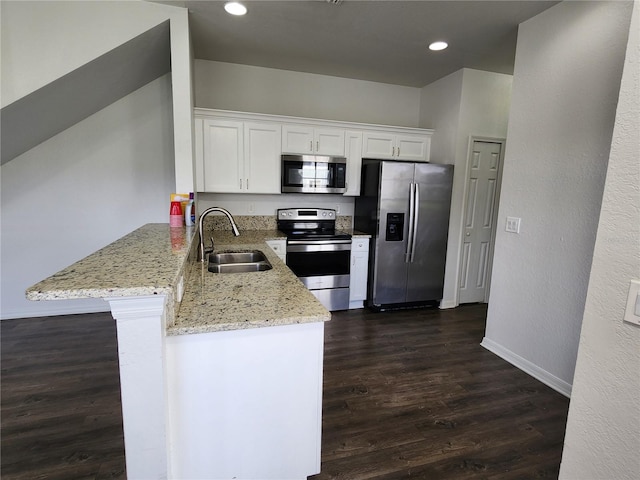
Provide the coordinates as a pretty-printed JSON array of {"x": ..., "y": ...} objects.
[{"x": 405, "y": 208}]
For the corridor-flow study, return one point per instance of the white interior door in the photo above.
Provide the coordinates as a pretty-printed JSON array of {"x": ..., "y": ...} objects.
[{"x": 479, "y": 220}]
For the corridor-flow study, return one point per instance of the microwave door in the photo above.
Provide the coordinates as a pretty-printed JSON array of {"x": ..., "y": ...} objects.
[
  {"x": 308, "y": 176},
  {"x": 323, "y": 175}
]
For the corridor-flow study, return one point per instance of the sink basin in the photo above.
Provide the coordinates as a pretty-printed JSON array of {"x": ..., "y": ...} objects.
[
  {"x": 237, "y": 257},
  {"x": 238, "y": 262}
]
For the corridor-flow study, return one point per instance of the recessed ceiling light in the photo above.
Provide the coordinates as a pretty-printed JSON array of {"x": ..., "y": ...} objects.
[
  {"x": 235, "y": 8},
  {"x": 435, "y": 46}
]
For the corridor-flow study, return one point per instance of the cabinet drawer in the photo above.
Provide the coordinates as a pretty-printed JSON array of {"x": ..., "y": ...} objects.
[{"x": 359, "y": 244}]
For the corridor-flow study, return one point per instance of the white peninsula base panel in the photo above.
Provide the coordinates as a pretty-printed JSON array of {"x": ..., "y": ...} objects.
[{"x": 246, "y": 404}]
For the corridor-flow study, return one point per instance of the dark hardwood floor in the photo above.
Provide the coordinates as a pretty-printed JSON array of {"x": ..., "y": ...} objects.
[
  {"x": 412, "y": 394},
  {"x": 408, "y": 394},
  {"x": 61, "y": 411}
]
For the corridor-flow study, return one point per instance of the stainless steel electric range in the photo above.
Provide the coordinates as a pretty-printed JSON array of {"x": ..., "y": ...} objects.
[{"x": 318, "y": 254}]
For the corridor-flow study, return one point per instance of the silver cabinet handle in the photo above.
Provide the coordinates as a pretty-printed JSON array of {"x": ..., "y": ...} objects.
[
  {"x": 311, "y": 145},
  {"x": 398, "y": 151},
  {"x": 247, "y": 184},
  {"x": 317, "y": 146},
  {"x": 240, "y": 184}
]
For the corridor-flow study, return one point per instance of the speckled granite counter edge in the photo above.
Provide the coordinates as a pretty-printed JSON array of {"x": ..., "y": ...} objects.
[
  {"x": 148, "y": 261},
  {"x": 224, "y": 302}
]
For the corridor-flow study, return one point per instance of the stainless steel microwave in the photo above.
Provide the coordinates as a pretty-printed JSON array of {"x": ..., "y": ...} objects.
[{"x": 313, "y": 174}]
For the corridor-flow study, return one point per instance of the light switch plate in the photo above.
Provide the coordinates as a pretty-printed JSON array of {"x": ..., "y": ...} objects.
[
  {"x": 513, "y": 225},
  {"x": 632, "y": 312}
]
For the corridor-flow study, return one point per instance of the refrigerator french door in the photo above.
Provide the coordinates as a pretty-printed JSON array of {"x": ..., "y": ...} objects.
[{"x": 405, "y": 208}]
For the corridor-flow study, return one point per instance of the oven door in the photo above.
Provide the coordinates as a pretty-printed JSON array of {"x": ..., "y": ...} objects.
[{"x": 311, "y": 260}]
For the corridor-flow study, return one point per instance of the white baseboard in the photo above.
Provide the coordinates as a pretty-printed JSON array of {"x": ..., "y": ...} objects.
[
  {"x": 67, "y": 309},
  {"x": 526, "y": 366},
  {"x": 445, "y": 304}
]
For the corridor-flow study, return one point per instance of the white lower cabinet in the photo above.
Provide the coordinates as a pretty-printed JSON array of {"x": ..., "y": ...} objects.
[
  {"x": 245, "y": 404},
  {"x": 280, "y": 247},
  {"x": 359, "y": 272}
]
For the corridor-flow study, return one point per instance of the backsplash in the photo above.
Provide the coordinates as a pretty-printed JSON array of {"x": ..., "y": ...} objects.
[{"x": 260, "y": 222}]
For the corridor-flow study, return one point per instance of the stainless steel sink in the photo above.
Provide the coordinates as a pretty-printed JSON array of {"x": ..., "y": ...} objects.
[{"x": 238, "y": 262}]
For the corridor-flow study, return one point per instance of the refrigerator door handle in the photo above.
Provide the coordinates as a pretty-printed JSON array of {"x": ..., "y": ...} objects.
[
  {"x": 412, "y": 206},
  {"x": 416, "y": 215}
]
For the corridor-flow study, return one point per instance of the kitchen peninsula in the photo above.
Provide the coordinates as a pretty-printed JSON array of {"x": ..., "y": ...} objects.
[{"x": 221, "y": 374}]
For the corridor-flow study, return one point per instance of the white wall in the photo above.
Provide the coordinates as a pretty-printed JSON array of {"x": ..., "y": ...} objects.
[
  {"x": 603, "y": 429},
  {"x": 81, "y": 190},
  {"x": 567, "y": 74},
  {"x": 245, "y": 88},
  {"x": 465, "y": 103},
  {"x": 42, "y": 41}
]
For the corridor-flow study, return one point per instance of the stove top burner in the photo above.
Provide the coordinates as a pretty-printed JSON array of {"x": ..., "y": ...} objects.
[{"x": 310, "y": 224}]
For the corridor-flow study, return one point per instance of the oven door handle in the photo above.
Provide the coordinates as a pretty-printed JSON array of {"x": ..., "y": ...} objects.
[
  {"x": 325, "y": 247},
  {"x": 317, "y": 242}
]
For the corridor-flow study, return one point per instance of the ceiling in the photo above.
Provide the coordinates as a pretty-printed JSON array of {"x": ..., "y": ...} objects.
[{"x": 380, "y": 41}]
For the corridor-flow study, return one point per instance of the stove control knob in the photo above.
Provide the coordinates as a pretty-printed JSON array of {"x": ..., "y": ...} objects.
[
  {"x": 331, "y": 214},
  {"x": 324, "y": 214}
]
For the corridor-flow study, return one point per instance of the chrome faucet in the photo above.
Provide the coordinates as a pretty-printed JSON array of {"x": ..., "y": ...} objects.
[{"x": 234, "y": 227}]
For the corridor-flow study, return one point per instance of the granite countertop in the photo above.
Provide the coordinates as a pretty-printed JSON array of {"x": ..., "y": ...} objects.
[
  {"x": 148, "y": 261},
  {"x": 151, "y": 261},
  {"x": 233, "y": 301}
]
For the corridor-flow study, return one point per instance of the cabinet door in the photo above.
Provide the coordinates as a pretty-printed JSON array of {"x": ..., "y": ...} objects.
[
  {"x": 413, "y": 147},
  {"x": 378, "y": 145},
  {"x": 297, "y": 139},
  {"x": 353, "y": 152},
  {"x": 329, "y": 141},
  {"x": 359, "y": 271},
  {"x": 199, "y": 148},
  {"x": 223, "y": 156},
  {"x": 262, "y": 147}
]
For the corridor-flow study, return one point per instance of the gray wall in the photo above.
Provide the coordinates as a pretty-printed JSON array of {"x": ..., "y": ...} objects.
[
  {"x": 567, "y": 75},
  {"x": 603, "y": 428},
  {"x": 83, "y": 189},
  {"x": 246, "y": 88},
  {"x": 465, "y": 103}
]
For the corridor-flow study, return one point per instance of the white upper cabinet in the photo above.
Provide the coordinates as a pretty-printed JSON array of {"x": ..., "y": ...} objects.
[
  {"x": 240, "y": 152},
  {"x": 395, "y": 146},
  {"x": 353, "y": 152},
  {"x": 308, "y": 139},
  {"x": 238, "y": 157},
  {"x": 223, "y": 155},
  {"x": 262, "y": 147}
]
